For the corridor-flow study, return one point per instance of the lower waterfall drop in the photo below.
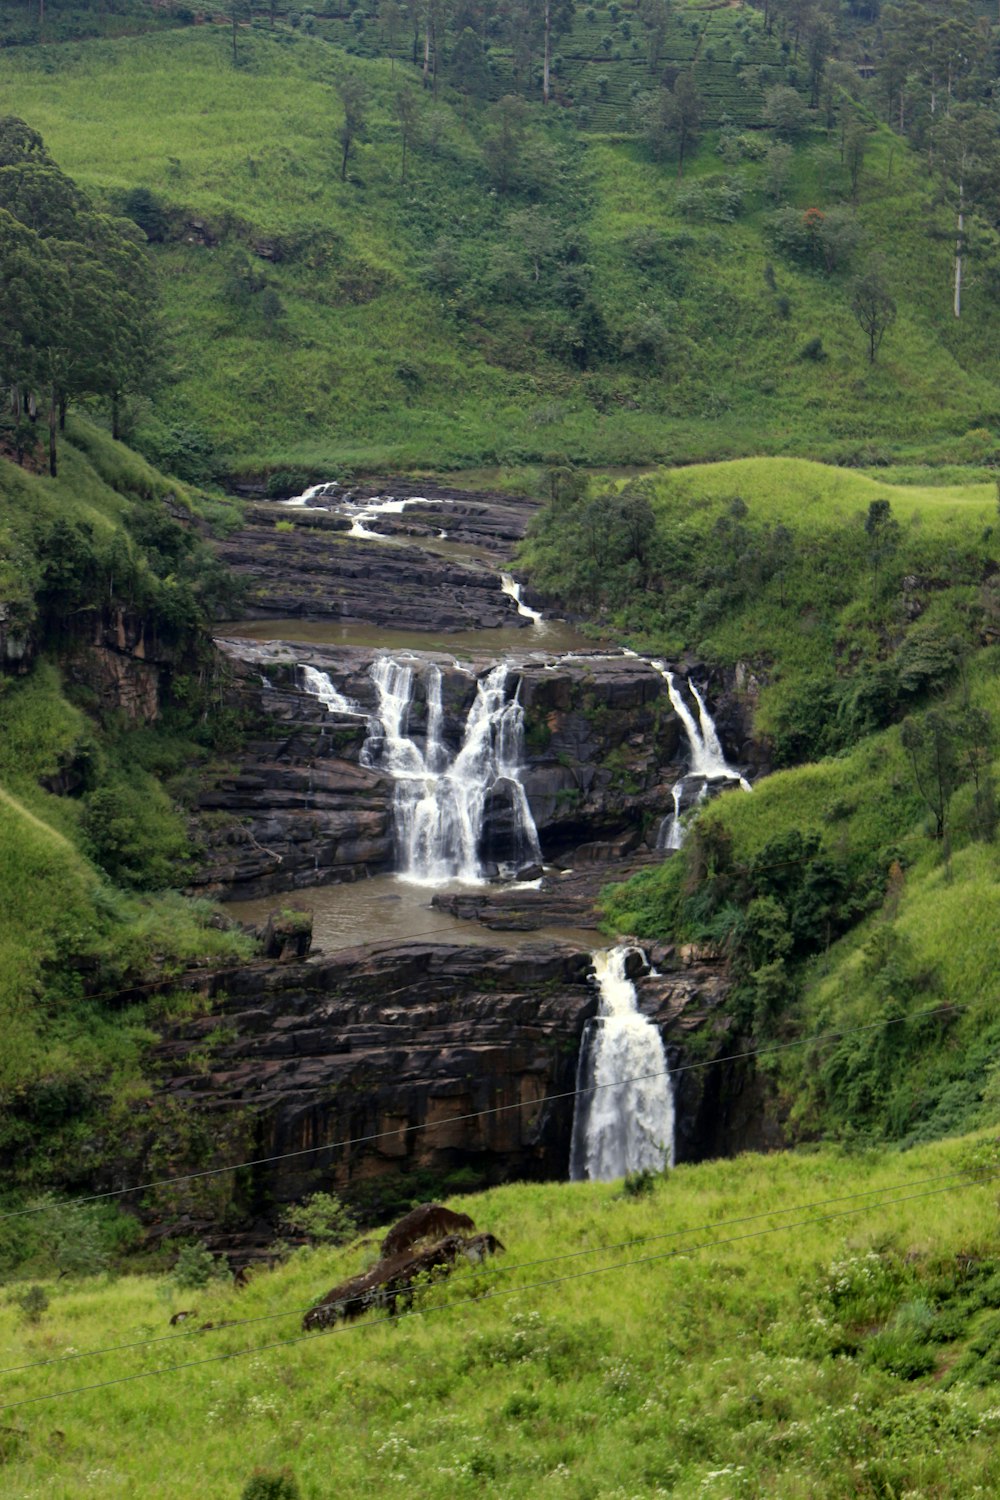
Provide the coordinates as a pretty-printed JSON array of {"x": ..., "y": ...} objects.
[
  {"x": 440, "y": 804},
  {"x": 624, "y": 1118}
]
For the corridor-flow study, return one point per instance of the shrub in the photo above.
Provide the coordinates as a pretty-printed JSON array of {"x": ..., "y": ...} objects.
[
  {"x": 271, "y": 1484},
  {"x": 813, "y": 350},
  {"x": 196, "y": 1266},
  {"x": 33, "y": 1302},
  {"x": 144, "y": 208},
  {"x": 323, "y": 1219},
  {"x": 640, "y": 1184},
  {"x": 785, "y": 111}
]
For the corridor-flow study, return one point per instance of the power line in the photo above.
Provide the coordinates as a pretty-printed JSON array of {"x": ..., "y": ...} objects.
[
  {"x": 976, "y": 1174},
  {"x": 496, "y": 1109},
  {"x": 485, "y": 1297}
]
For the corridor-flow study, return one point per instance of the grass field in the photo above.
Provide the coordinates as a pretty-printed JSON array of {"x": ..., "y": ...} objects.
[{"x": 834, "y": 1357}]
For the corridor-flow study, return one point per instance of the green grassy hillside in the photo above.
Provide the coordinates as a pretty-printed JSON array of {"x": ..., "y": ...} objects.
[
  {"x": 852, "y": 1355},
  {"x": 91, "y": 805},
  {"x": 862, "y": 882},
  {"x": 597, "y": 309}
]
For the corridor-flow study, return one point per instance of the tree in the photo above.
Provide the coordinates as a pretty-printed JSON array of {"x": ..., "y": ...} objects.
[
  {"x": 673, "y": 118},
  {"x": 408, "y": 114},
  {"x": 785, "y": 111},
  {"x": 240, "y": 12},
  {"x": 976, "y": 742},
  {"x": 354, "y": 97},
  {"x": 76, "y": 291},
  {"x": 882, "y": 531},
  {"x": 931, "y": 742},
  {"x": 655, "y": 17},
  {"x": 967, "y": 155},
  {"x": 855, "y": 144},
  {"x": 468, "y": 67},
  {"x": 391, "y": 19},
  {"x": 503, "y": 147},
  {"x": 875, "y": 310},
  {"x": 557, "y": 17}
]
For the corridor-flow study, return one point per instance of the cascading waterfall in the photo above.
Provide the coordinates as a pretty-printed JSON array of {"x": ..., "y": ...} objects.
[
  {"x": 512, "y": 589},
  {"x": 314, "y": 492},
  {"x": 441, "y": 803},
  {"x": 620, "y": 1126},
  {"x": 708, "y": 759},
  {"x": 321, "y": 686}
]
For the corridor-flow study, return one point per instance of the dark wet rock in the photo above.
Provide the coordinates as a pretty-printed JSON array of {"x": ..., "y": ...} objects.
[
  {"x": 722, "y": 1104},
  {"x": 403, "y": 1046},
  {"x": 298, "y": 809},
  {"x": 300, "y": 562}
]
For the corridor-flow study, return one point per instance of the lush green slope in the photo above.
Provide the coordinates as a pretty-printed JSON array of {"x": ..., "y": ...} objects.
[
  {"x": 91, "y": 823},
  {"x": 849, "y": 1356},
  {"x": 772, "y": 563},
  {"x": 597, "y": 310},
  {"x": 863, "y": 884}
]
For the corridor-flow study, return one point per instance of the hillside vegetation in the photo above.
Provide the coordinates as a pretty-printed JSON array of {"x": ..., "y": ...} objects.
[
  {"x": 854, "y": 1355},
  {"x": 859, "y": 885},
  {"x": 529, "y": 290},
  {"x": 91, "y": 804}
]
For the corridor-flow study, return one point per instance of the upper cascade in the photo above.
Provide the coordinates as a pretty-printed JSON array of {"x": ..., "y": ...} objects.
[
  {"x": 321, "y": 686},
  {"x": 624, "y": 1117},
  {"x": 443, "y": 804}
]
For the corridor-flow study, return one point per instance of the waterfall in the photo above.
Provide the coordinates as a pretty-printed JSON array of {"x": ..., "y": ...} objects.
[
  {"x": 361, "y": 511},
  {"x": 671, "y": 834},
  {"x": 619, "y": 1126},
  {"x": 315, "y": 492},
  {"x": 443, "y": 805},
  {"x": 708, "y": 759},
  {"x": 320, "y": 686},
  {"x": 512, "y": 589}
]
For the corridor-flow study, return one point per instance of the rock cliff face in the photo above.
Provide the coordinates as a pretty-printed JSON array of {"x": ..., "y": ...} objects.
[
  {"x": 602, "y": 749},
  {"x": 431, "y": 1059}
]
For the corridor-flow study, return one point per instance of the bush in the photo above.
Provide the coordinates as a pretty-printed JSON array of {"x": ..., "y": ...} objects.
[
  {"x": 271, "y": 1484},
  {"x": 785, "y": 111},
  {"x": 196, "y": 1266},
  {"x": 33, "y": 1302},
  {"x": 640, "y": 1184},
  {"x": 133, "y": 833},
  {"x": 813, "y": 350},
  {"x": 323, "y": 1219},
  {"x": 146, "y": 209}
]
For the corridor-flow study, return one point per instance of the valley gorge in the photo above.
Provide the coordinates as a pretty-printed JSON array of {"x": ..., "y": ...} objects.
[{"x": 437, "y": 820}]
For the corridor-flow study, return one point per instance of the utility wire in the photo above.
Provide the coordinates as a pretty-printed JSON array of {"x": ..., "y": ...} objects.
[
  {"x": 977, "y": 1175},
  {"x": 485, "y": 1297},
  {"x": 496, "y": 1109}
]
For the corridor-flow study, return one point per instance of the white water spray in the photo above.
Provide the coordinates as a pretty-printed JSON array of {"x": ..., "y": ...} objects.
[
  {"x": 315, "y": 492},
  {"x": 321, "y": 686},
  {"x": 621, "y": 1126},
  {"x": 512, "y": 589},
  {"x": 441, "y": 804},
  {"x": 708, "y": 759}
]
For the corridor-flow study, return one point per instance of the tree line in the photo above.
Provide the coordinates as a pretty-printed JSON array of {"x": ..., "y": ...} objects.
[{"x": 77, "y": 297}]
